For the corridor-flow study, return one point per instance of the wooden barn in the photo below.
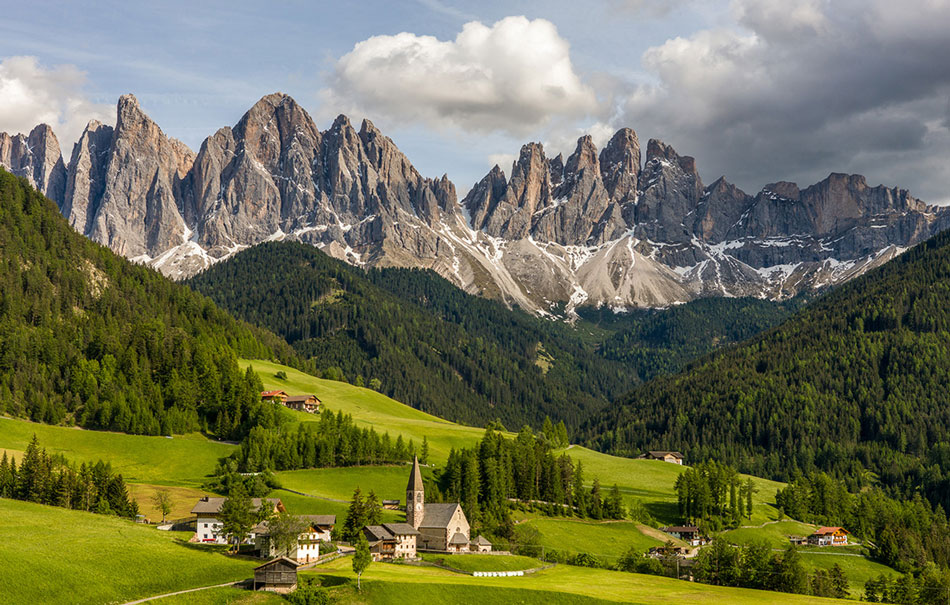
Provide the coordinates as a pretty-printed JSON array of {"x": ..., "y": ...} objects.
[{"x": 279, "y": 575}]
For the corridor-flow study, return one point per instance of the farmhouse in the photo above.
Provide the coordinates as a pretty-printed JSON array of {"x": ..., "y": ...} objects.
[
  {"x": 279, "y": 575},
  {"x": 391, "y": 541},
  {"x": 687, "y": 533},
  {"x": 829, "y": 536},
  {"x": 274, "y": 396},
  {"x": 207, "y": 514},
  {"x": 674, "y": 457},
  {"x": 308, "y": 543},
  {"x": 442, "y": 527},
  {"x": 303, "y": 403}
]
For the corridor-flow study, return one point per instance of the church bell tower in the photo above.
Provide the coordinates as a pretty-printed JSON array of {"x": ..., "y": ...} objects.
[{"x": 415, "y": 496}]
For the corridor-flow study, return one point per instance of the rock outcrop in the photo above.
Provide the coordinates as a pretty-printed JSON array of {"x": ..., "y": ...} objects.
[{"x": 597, "y": 228}]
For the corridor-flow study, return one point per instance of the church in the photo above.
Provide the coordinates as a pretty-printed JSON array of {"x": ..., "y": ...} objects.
[{"x": 441, "y": 527}]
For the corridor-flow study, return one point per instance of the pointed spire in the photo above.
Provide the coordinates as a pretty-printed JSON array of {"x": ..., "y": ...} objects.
[{"x": 415, "y": 478}]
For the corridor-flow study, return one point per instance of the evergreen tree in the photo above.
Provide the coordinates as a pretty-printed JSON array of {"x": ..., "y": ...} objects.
[
  {"x": 355, "y": 517},
  {"x": 237, "y": 516}
]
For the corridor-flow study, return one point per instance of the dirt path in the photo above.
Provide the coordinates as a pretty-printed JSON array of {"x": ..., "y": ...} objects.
[{"x": 172, "y": 594}]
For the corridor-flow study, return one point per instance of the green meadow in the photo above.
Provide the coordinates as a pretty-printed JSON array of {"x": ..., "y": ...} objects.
[
  {"x": 370, "y": 409},
  {"x": 224, "y": 596},
  {"x": 182, "y": 460},
  {"x": 485, "y": 562},
  {"x": 390, "y": 583},
  {"x": 88, "y": 558},
  {"x": 607, "y": 540},
  {"x": 776, "y": 534}
]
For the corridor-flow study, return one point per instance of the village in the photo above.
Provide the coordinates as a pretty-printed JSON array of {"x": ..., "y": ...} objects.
[{"x": 435, "y": 528}]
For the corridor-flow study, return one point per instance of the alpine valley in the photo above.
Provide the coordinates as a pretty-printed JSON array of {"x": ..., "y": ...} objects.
[{"x": 599, "y": 228}]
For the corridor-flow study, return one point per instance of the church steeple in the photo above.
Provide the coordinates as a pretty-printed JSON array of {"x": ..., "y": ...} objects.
[{"x": 415, "y": 496}]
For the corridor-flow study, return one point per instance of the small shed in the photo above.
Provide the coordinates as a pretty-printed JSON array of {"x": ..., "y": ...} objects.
[{"x": 279, "y": 575}]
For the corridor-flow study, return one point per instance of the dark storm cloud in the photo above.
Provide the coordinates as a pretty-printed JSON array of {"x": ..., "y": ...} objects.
[{"x": 804, "y": 88}]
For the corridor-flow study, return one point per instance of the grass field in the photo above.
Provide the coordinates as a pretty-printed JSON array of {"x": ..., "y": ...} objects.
[
  {"x": 183, "y": 460},
  {"x": 183, "y": 500},
  {"x": 388, "y": 482},
  {"x": 605, "y": 540},
  {"x": 387, "y": 583},
  {"x": 87, "y": 558},
  {"x": 485, "y": 562},
  {"x": 858, "y": 569},
  {"x": 776, "y": 534},
  {"x": 651, "y": 482},
  {"x": 370, "y": 408},
  {"x": 224, "y": 596}
]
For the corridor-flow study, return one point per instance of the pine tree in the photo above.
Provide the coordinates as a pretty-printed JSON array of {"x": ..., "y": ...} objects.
[
  {"x": 237, "y": 517},
  {"x": 355, "y": 517},
  {"x": 372, "y": 510},
  {"x": 424, "y": 453}
]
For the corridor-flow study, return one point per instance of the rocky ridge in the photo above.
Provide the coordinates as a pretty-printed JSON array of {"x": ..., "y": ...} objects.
[{"x": 596, "y": 228}]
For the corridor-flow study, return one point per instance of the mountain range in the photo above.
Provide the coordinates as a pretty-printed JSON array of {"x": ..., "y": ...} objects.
[{"x": 597, "y": 228}]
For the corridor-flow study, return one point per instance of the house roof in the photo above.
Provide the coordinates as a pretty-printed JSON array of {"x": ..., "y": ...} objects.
[
  {"x": 273, "y": 393},
  {"x": 661, "y": 454},
  {"x": 438, "y": 515},
  {"x": 301, "y": 398},
  {"x": 824, "y": 531},
  {"x": 320, "y": 520},
  {"x": 458, "y": 538},
  {"x": 415, "y": 477},
  {"x": 401, "y": 529},
  {"x": 286, "y": 560},
  {"x": 679, "y": 529},
  {"x": 481, "y": 541},
  {"x": 377, "y": 533},
  {"x": 210, "y": 504}
]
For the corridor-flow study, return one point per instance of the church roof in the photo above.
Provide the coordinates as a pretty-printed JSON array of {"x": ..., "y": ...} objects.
[
  {"x": 415, "y": 477},
  {"x": 438, "y": 515},
  {"x": 480, "y": 540},
  {"x": 458, "y": 538}
]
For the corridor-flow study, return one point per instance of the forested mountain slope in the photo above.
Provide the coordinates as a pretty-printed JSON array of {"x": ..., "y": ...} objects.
[
  {"x": 428, "y": 343},
  {"x": 856, "y": 384},
  {"x": 88, "y": 337}
]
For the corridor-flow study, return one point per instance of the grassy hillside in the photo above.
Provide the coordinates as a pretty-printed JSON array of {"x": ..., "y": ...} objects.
[
  {"x": 387, "y": 583},
  {"x": 183, "y": 460},
  {"x": 370, "y": 409},
  {"x": 87, "y": 558},
  {"x": 606, "y": 540}
]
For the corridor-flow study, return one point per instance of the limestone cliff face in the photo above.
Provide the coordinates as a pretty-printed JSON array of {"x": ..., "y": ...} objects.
[
  {"x": 38, "y": 158},
  {"x": 597, "y": 228}
]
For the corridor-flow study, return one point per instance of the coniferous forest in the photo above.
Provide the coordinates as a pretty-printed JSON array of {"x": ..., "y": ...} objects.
[
  {"x": 421, "y": 340},
  {"x": 91, "y": 339},
  {"x": 854, "y": 385}
]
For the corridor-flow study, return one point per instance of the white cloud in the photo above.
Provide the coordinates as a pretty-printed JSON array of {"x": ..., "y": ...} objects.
[
  {"x": 795, "y": 89},
  {"x": 32, "y": 94},
  {"x": 502, "y": 160},
  {"x": 513, "y": 76}
]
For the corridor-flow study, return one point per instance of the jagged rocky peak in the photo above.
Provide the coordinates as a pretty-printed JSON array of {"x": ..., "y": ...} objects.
[
  {"x": 482, "y": 198},
  {"x": 620, "y": 165},
  {"x": 37, "y": 157},
  {"x": 672, "y": 190},
  {"x": 137, "y": 214},
  {"x": 583, "y": 158}
]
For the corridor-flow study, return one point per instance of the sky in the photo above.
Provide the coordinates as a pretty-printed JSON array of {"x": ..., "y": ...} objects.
[{"x": 756, "y": 90}]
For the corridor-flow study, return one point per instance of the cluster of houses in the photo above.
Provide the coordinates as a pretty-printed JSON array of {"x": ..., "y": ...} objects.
[
  {"x": 433, "y": 527},
  {"x": 301, "y": 403}
]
